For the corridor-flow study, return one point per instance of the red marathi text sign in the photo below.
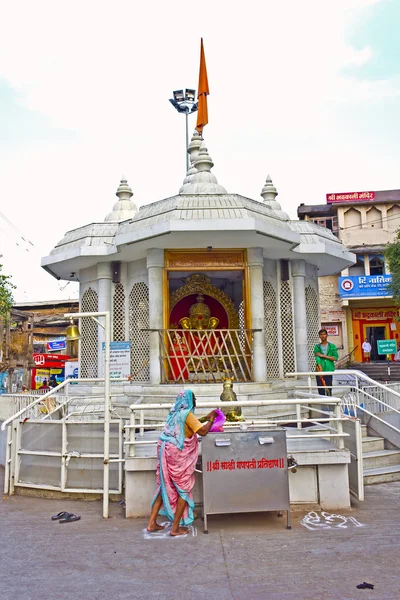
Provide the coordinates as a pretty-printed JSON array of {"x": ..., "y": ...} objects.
[
  {"x": 350, "y": 197},
  {"x": 379, "y": 315},
  {"x": 232, "y": 465}
]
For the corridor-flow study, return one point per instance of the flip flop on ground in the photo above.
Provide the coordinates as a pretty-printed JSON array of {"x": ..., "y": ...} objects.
[
  {"x": 69, "y": 518},
  {"x": 60, "y": 515}
]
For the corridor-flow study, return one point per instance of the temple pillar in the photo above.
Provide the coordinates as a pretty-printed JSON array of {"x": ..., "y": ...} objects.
[
  {"x": 104, "y": 278},
  {"x": 298, "y": 270},
  {"x": 155, "y": 265},
  {"x": 256, "y": 264}
]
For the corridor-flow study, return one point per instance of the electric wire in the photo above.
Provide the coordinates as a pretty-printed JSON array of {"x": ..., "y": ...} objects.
[
  {"x": 20, "y": 234},
  {"x": 391, "y": 218},
  {"x": 371, "y": 222}
]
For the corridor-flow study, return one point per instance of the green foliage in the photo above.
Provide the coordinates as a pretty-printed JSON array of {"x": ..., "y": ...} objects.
[
  {"x": 6, "y": 296},
  {"x": 392, "y": 254}
]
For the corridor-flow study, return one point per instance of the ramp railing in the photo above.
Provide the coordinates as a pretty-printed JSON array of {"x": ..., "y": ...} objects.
[
  {"x": 361, "y": 398},
  {"x": 38, "y": 434},
  {"x": 355, "y": 389}
]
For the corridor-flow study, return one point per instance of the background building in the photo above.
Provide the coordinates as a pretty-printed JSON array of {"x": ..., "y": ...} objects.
[
  {"x": 32, "y": 344},
  {"x": 356, "y": 304}
]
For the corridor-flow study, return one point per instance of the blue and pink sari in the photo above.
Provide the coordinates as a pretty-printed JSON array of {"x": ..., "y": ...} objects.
[{"x": 177, "y": 457}]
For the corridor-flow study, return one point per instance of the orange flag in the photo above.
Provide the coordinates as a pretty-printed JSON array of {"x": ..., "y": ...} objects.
[{"x": 202, "y": 93}]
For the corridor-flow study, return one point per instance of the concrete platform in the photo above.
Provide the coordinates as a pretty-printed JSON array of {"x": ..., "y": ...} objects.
[
  {"x": 322, "y": 478},
  {"x": 242, "y": 557}
]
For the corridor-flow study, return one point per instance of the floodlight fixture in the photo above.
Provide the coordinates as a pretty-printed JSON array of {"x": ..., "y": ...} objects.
[
  {"x": 190, "y": 95},
  {"x": 185, "y": 102},
  {"x": 179, "y": 96}
]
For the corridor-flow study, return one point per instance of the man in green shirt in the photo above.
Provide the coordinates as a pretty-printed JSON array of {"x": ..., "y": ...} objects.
[{"x": 325, "y": 356}]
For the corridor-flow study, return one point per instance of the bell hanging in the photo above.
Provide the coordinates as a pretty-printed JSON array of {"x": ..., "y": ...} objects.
[{"x": 73, "y": 332}]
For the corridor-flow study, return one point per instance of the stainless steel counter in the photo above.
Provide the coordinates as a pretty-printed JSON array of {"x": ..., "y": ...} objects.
[{"x": 245, "y": 471}]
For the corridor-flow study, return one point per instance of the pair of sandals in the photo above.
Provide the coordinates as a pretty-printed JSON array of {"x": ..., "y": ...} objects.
[{"x": 65, "y": 517}]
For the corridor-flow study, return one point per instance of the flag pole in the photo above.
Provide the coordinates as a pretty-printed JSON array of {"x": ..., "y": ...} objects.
[{"x": 187, "y": 138}]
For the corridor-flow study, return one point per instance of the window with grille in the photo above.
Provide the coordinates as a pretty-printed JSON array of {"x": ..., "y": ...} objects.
[
  {"x": 119, "y": 313},
  {"x": 89, "y": 336},
  {"x": 312, "y": 323},
  {"x": 287, "y": 329},
  {"x": 376, "y": 265},
  {"x": 330, "y": 223},
  {"x": 140, "y": 340},
  {"x": 271, "y": 329}
]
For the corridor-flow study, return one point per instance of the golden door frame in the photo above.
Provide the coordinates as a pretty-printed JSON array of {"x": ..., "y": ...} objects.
[{"x": 204, "y": 260}]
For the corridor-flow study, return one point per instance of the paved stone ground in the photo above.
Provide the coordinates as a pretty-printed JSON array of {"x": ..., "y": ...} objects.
[{"x": 250, "y": 557}]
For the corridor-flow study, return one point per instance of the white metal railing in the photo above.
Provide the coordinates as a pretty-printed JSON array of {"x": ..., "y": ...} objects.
[
  {"x": 330, "y": 423},
  {"x": 33, "y": 466},
  {"x": 39, "y": 410},
  {"x": 356, "y": 397}
]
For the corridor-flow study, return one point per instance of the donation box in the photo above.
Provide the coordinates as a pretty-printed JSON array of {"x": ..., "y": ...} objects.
[{"x": 245, "y": 471}]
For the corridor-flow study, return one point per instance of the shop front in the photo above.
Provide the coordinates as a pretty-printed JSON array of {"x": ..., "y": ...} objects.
[
  {"x": 374, "y": 324},
  {"x": 50, "y": 369}
]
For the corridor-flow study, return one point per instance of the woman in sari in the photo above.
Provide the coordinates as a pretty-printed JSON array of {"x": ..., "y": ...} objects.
[{"x": 177, "y": 452}]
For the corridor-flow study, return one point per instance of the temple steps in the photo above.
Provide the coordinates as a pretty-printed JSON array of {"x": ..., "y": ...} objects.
[{"x": 380, "y": 464}]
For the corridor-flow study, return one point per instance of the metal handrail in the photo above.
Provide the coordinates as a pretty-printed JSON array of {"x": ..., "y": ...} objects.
[
  {"x": 355, "y": 372},
  {"x": 337, "y": 417},
  {"x": 355, "y": 401},
  {"x": 206, "y": 354},
  {"x": 10, "y": 458},
  {"x": 343, "y": 359}
]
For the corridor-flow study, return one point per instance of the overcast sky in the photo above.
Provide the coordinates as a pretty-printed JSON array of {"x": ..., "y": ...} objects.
[{"x": 306, "y": 91}]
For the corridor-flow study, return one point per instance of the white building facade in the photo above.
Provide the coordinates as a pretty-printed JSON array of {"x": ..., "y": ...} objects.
[{"x": 241, "y": 267}]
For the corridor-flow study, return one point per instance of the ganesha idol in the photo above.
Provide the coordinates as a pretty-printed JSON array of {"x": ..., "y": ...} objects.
[
  {"x": 197, "y": 339},
  {"x": 199, "y": 317}
]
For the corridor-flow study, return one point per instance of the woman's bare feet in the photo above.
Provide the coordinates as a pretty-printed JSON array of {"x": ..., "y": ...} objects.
[
  {"x": 156, "y": 527},
  {"x": 179, "y": 531}
]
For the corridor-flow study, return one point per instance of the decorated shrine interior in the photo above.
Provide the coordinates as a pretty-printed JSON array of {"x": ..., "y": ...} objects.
[{"x": 222, "y": 293}]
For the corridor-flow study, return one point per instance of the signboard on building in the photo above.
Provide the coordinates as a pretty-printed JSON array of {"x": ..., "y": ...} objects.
[
  {"x": 56, "y": 345},
  {"x": 332, "y": 329},
  {"x": 71, "y": 369},
  {"x": 350, "y": 197},
  {"x": 374, "y": 314},
  {"x": 365, "y": 286},
  {"x": 49, "y": 360},
  {"x": 387, "y": 346},
  {"x": 120, "y": 359}
]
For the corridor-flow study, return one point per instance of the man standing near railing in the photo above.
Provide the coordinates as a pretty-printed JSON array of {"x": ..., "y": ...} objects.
[{"x": 325, "y": 356}]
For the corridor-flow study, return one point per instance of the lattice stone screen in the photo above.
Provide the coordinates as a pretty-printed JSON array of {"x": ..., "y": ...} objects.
[
  {"x": 242, "y": 319},
  {"x": 140, "y": 340},
  {"x": 89, "y": 336},
  {"x": 287, "y": 330},
  {"x": 312, "y": 323},
  {"x": 271, "y": 330},
  {"x": 119, "y": 313}
]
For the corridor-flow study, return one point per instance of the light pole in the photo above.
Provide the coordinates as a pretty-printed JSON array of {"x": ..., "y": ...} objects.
[
  {"x": 185, "y": 102},
  {"x": 107, "y": 329}
]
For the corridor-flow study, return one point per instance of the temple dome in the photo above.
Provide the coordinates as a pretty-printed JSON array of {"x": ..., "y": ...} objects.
[
  {"x": 269, "y": 194},
  {"x": 124, "y": 208},
  {"x": 200, "y": 180}
]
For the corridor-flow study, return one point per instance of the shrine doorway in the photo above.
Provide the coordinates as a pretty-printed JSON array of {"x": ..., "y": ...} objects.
[{"x": 207, "y": 335}]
